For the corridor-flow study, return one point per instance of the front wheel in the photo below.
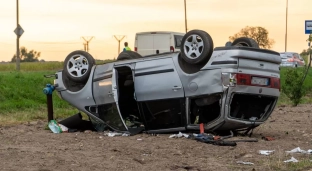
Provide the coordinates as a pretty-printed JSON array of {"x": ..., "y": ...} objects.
[{"x": 77, "y": 66}]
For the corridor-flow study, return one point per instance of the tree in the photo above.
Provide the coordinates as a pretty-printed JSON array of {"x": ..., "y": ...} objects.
[
  {"x": 259, "y": 34},
  {"x": 305, "y": 52},
  {"x": 31, "y": 56}
]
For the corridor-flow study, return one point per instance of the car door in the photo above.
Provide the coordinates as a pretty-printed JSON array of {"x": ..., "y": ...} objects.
[
  {"x": 106, "y": 97},
  {"x": 160, "y": 94}
]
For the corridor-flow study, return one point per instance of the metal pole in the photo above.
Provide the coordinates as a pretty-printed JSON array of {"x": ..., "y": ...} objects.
[
  {"x": 286, "y": 25},
  {"x": 50, "y": 107},
  {"x": 185, "y": 16},
  {"x": 118, "y": 46},
  {"x": 17, "y": 40}
]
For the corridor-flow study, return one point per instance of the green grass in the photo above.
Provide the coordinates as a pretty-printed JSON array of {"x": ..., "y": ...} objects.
[
  {"x": 283, "y": 100},
  {"x": 22, "y": 97},
  {"x": 32, "y": 66}
]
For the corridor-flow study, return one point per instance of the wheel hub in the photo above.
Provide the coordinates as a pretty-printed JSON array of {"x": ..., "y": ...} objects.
[
  {"x": 77, "y": 66},
  {"x": 193, "y": 46}
]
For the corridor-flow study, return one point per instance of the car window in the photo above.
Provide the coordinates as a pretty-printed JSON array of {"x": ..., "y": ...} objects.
[
  {"x": 178, "y": 40},
  {"x": 296, "y": 55}
]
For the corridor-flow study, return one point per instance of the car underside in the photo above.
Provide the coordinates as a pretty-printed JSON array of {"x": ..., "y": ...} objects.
[{"x": 227, "y": 88}]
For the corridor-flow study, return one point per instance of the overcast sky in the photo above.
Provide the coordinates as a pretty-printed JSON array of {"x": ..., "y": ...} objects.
[{"x": 55, "y": 27}]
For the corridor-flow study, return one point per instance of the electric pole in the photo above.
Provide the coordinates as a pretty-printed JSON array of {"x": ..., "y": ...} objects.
[
  {"x": 286, "y": 25},
  {"x": 86, "y": 44},
  {"x": 18, "y": 31},
  {"x": 119, "y": 38},
  {"x": 185, "y": 16}
]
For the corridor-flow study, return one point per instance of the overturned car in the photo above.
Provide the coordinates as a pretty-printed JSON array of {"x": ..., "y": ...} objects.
[{"x": 227, "y": 88}]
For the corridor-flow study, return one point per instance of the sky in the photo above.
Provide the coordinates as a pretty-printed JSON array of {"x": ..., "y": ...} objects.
[{"x": 56, "y": 27}]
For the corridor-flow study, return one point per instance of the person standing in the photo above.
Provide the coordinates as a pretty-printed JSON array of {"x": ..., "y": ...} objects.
[{"x": 126, "y": 48}]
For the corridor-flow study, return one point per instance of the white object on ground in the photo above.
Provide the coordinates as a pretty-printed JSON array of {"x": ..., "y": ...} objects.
[
  {"x": 179, "y": 135},
  {"x": 298, "y": 150},
  {"x": 245, "y": 163},
  {"x": 292, "y": 159},
  {"x": 266, "y": 152},
  {"x": 113, "y": 134},
  {"x": 54, "y": 127}
]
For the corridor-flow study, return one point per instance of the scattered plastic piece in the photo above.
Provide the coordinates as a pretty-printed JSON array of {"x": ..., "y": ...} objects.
[
  {"x": 178, "y": 135},
  {"x": 245, "y": 163},
  {"x": 292, "y": 159},
  {"x": 56, "y": 127},
  {"x": 266, "y": 152},
  {"x": 139, "y": 139},
  {"x": 113, "y": 134},
  {"x": 267, "y": 138},
  {"x": 298, "y": 150}
]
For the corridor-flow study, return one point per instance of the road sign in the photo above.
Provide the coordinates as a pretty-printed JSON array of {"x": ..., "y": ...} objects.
[
  {"x": 308, "y": 26},
  {"x": 19, "y": 31}
]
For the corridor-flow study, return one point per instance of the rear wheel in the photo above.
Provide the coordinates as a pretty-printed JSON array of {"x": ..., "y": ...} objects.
[
  {"x": 245, "y": 41},
  {"x": 128, "y": 55},
  {"x": 197, "y": 47}
]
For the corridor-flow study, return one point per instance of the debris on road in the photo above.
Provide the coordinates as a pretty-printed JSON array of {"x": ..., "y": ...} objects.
[
  {"x": 179, "y": 135},
  {"x": 298, "y": 150},
  {"x": 292, "y": 159},
  {"x": 266, "y": 152},
  {"x": 56, "y": 127},
  {"x": 268, "y": 138},
  {"x": 245, "y": 163},
  {"x": 113, "y": 134}
]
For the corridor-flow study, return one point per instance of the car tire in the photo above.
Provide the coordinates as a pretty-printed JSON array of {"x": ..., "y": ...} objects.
[
  {"x": 197, "y": 47},
  {"x": 78, "y": 65},
  {"x": 245, "y": 41},
  {"x": 126, "y": 55}
]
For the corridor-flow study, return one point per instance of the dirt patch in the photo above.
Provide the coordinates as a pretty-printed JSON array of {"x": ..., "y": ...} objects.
[{"x": 30, "y": 147}]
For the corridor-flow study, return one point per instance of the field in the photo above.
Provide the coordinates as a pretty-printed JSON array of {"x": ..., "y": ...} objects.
[{"x": 25, "y": 143}]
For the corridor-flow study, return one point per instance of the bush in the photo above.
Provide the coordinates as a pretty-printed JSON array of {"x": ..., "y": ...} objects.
[{"x": 293, "y": 86}]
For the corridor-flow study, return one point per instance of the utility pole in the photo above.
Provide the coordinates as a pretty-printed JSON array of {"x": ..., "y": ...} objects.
[
  {"x": 286, "y": 25},
  {"x": 119, "y": 38},
  {"x": 86, "y": 44},
  {"x": 185, "y": 16}
]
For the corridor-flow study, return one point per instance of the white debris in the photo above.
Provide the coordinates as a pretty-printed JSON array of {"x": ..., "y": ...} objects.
[
  {"x": 178, "y": 135},
  {"x": 113, "y": 134},
  {"x": 298, "y": 150},
  {"x": 266, "y": 152},
  {"x": 139, "y": 139},
  {"x": 292, "y": 159},
  {"x": 245, "y": 163}
]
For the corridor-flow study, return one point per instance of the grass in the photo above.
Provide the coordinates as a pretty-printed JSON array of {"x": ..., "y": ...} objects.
[{"x": 22, "y": 97}]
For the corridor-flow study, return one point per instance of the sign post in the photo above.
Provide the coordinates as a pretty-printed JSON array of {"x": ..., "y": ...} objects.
[
  {"x": 308, "y": 26},
  {"x": 18, "y": 31}
]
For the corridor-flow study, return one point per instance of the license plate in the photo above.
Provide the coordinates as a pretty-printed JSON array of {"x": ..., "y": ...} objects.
[{"x": 260, "y": 81}]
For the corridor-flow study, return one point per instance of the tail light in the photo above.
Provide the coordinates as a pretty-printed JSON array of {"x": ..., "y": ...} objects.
[
  {"x": 171, "y": 49},
  {"x": 135, "y": 49},
  {"x": 276, "y": 83},
  {"x": 233, "y": 79},
  {"x": 243, "y": 79}
]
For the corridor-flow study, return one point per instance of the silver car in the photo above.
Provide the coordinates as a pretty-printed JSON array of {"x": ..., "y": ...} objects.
[
  {"x": 291, "y": 59},
  {"x": 225, "y": 88}
]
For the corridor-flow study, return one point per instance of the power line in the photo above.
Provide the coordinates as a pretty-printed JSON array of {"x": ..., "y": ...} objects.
[
  {"x": 119, "y": 38},
  {"x": 86, "y": 43}
]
